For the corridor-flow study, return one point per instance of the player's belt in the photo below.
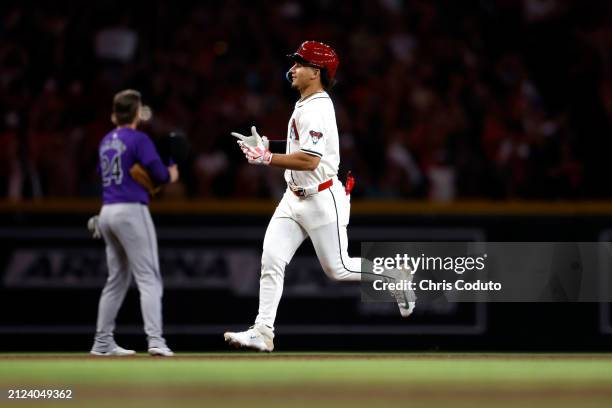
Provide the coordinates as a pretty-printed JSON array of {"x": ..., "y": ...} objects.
[{"x": 308, "y": 191}]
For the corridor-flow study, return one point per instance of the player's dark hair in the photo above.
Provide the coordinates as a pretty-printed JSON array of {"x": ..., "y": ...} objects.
[
  {"x": 327, "y": 83},
  {"x": 125, "y": 107}
]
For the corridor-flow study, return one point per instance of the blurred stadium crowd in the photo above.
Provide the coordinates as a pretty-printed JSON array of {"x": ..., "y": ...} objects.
[{"x": 436, "y": 99}]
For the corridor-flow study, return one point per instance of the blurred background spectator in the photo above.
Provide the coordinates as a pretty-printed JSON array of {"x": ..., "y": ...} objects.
[{"x": 440, "y": 100}]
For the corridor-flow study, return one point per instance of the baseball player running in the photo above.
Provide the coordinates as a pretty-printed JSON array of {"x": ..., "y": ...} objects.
[
  {"x": 127, "y": 228},
  {"x": 315, "y": 204}
]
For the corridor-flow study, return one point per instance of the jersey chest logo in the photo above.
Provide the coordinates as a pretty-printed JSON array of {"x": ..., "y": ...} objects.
[
  {"x": 315, "y": 136},
  {"x": 293, "y": 132}
]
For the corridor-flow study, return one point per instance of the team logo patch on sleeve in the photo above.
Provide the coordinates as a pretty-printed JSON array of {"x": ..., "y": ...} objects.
[{"x": 316, "y": 136}]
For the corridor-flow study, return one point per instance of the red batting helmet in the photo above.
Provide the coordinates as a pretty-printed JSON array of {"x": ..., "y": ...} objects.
[{"x": 318, "y": 55}]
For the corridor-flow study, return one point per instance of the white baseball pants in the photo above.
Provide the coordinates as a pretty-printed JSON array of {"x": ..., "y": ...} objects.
[{"x": 323, "y": 217}]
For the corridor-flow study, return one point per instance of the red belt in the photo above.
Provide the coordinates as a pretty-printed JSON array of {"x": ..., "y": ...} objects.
[{"x": 305, "y": 192}]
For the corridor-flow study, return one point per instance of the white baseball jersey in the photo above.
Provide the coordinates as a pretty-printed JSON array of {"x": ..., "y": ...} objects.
[
  {"x": 312, "y": 129},
  {"x": 323, "y": 216}
]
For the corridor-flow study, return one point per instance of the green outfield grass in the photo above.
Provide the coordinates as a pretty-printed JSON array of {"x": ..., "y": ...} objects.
[{"x": 323, "y": 379}]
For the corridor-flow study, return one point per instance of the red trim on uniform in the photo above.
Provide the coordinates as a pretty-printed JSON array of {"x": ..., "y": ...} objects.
[
  {"x": 297, "y": 135},
  {"x": 326, "y": 185},
  {"x": 323, "y": 186}
]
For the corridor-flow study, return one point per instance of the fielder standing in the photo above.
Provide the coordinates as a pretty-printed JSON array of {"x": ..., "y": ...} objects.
[
  {"x": 127, "y": 228},
  {"x": 315, "y": 204}
]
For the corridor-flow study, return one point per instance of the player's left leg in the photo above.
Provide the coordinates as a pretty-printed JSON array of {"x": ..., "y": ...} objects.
[
  {"x": 330, "y": 242},
  {"x": 326, "y": 222}
]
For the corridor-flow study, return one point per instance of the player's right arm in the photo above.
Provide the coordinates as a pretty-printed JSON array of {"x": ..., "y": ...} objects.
[{"x": 299, "y": 161}]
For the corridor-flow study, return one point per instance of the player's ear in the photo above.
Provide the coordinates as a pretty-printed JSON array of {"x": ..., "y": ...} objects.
[{"x": 113, "y": 119}]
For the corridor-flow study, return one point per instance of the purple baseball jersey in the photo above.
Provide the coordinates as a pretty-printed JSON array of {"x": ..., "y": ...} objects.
[{"x": 119, "y": 150}]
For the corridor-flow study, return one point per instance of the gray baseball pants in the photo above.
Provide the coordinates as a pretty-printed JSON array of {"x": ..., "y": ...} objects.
[{"x": 131, "y": 250}]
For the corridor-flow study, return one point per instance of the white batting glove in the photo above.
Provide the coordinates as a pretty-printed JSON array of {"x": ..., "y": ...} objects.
[
  {"x": 254, "y": 140},
  {"x": 257, "y": 154}
]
